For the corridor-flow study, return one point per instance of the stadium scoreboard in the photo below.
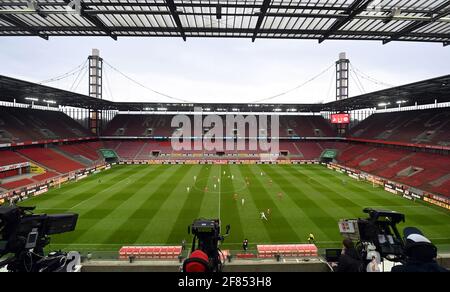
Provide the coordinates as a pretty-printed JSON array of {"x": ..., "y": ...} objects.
[{"x": 340, "y": 119}]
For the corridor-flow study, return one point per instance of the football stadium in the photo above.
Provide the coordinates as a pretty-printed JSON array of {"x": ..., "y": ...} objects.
[{"x": 263, "y": 185}]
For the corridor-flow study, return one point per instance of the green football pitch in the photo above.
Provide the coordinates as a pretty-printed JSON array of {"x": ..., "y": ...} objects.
[{"x": 151, "y": 205}]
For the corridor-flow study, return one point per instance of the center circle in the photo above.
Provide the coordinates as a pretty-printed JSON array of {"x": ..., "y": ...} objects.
[{"x": 242, "y": 185}]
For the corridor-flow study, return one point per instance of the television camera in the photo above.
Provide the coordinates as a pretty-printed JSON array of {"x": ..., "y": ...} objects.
[
  {"x": 24, "y": 235},
  {"x": 376, "y": 235},
  {"x": 205, "y": 251}
]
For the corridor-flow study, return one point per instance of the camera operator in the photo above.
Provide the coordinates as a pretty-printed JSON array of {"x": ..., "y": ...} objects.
[
  {"x": 420, "y": 253},
  {"x": 349, "y": 261}
]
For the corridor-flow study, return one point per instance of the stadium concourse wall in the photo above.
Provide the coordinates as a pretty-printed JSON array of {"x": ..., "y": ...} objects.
[
  {"x": 393, "y": 187},
  {"x": 40, "y": 188}
]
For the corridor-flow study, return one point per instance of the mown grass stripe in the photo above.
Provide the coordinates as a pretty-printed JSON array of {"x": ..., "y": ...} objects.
[
  {"x": 366, "y": 193},
  {"x": 58, "y": 199},
  {"x": 147, "y": 209},
  {"x": 92, "y": 179},
  {"x": 100, "y": 188},
  {"x": 324, "y": 222},
  {"x": 292, "y": 211},
  {"x": 277, "y": 226},
  {"x": 209, "y": 207},
  {"x": 253, "y": 227},
  {"x": 158, "y": 230},
  {"x": 321, "y": 188},
  {"x": 191, "y": 207},
  {"x": 230, "y": 207},
  {"x": 101, "y": 209}
]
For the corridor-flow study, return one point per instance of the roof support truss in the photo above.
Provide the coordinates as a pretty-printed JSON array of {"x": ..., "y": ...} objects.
[
  {"x": 262, "y": 14},
  {"x": 94, "y": 20},
  {"x": 411, "y": 20},
  {"x": 439, "y": 12},
  {"x": 176, "y": 17},
  {"x": 19, "y": 23},
  {"x": 356, "y": 8}
]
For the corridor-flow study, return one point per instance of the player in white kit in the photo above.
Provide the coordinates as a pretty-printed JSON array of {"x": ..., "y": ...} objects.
[{"x": 263, "y": 216}]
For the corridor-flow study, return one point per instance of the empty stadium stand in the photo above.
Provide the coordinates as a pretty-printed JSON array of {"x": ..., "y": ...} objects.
[
  {"x": 421, "y": 127},
  {"x": 21, "y": 124},
  {"x": 10, "y": 158},
  {"x": 17, "y": 184},
  {"x": 443, "y": 188},
  {"x": 149, "y": 149},
  {"x": 55, "y": 164},
  {"x": 129, "y": 149},
  {"x": 45, "y": 176},
  {"x": 51, "y": 159},
  {"x": 139, "y": 125},
  {"x": 160, "y": 125},
  {"x": 305, "y": 126},
  {"x": 87, "y": 150},
  {"x": 426, "y": 171},
  {"x": 309, "y": 150}
]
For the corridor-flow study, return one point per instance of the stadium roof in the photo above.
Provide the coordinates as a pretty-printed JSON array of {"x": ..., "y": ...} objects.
[
  {"x": 423, "y": 92},
  {"x": 383, "y": 20},
  {"x": 25, "y": 92}
]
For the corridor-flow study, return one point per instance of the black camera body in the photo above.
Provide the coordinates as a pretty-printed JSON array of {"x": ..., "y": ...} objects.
[
  {"x": 207, "y": 238},
  {"x": 25, "y": 235},
  {"x": 378, "y": 231}
]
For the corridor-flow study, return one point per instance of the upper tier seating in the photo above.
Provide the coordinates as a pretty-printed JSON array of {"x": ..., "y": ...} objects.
[
  {"x": 139, "y": 125},
  {"x": 21, "y": 124},
  {"x": 51, "y": 159},
  {"x": 160, "y": 125},
  {"x": 305, "y": 126},
  {"x": 421, "y": 127}
]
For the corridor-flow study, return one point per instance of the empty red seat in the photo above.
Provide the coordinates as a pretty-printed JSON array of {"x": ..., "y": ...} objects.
[
  {"x": 52, "y": 159},
  {"x": 17, "y": 184},
  {"x": 150, "y": 252},
  {"x": 286, "y": 250}
]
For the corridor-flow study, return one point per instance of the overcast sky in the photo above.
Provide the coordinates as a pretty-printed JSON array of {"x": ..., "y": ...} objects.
[{"x": 221, "y": 70}]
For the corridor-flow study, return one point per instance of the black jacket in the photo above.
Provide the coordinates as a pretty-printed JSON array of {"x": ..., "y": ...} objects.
[{"x": 349, "y": 262}]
